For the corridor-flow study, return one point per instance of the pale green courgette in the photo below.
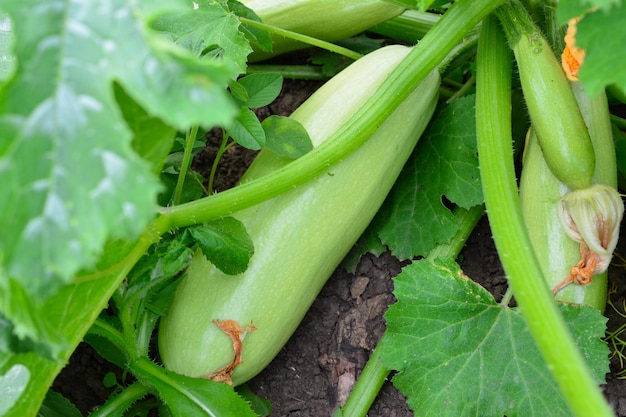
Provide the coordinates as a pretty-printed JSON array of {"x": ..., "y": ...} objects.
[
  {"x": 541, "y": 191},
  {"x": 300, "y": 237},
  {"x": 328, "y": 20}
]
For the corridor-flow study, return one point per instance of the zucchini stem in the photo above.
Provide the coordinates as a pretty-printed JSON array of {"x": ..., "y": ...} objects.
[
  {"x": 493, "y": 116},
  {"x": 223, "y": 147},
  {"x": 302, "y": 38},
  {"x": 190, "y": 138},
  {"x": 294, "y": 72},
  {"x": 117, "y": 405}
]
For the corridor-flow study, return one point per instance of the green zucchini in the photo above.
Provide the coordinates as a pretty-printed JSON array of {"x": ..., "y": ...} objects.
[
  {"x": 328, "y": 20},
  {"x": 541, "y": 193},
  {"x": 301, "y": 236},
  {"x": 552, "y": 106}
]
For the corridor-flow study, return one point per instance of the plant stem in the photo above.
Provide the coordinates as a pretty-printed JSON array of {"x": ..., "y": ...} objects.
[
  {"x": 467, "y": 222},
  {"x": 375, "y": 373},
  {"x": 120, "y": 403},
  {"x": 302, "y": 38},
  {"x": 618, "y": 121},
  {"x": 184, "y": 166},
  {"x": 410, "y": 26},
  {"x": 463, "y": 16},
  {"x": 493, "y": 115},
  {"x": 465, "y": 88},
  {"x": 218, "y": 157},
  {"x": 104, "y": 329},
  {"x": 294, "y": 72},
  {"x": 367, "y": 387}
]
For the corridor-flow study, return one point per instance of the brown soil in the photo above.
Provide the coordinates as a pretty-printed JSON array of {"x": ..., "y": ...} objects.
[{"x": 316, "y": 369}]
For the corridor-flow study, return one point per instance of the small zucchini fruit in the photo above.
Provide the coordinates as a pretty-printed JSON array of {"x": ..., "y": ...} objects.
[
  {"x": 542, "y": 195},
  {"x": 552, "y": 106},
  {"x": 301, "y": 236},
  {"x": 540, "y": 192},
  {"x": 328, "y": 20}
]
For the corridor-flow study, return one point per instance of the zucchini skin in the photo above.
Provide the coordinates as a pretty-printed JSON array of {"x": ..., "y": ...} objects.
[
  {"x": 328, "y": 20},
  {"x": 301, "y": 236},
  {"x": 552, "y": 106},
  {"x": 541, "y": 190}
]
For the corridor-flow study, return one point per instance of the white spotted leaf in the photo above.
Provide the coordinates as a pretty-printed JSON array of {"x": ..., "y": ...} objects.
[{"x": 69, "y": 176}]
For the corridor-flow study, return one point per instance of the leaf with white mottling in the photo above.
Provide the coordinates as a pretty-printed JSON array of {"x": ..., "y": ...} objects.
[
  {"x": 69, "y": 176},
  {"x": 7, "y": 60},
  {"x": 12, "y": 384}
]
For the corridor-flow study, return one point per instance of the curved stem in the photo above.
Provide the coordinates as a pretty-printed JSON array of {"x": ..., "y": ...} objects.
[
  {"x": 493, "y": 116},
  {"x": 120, "y": 403},
  {"x": 618, "y": 121},
  {"x": 465, "y": 88},
  {"x": 184, "y": 166},
  {"x": 104, "y": 329},
  {"x": 367, "y": 387},
  {"x": 410, "y": 26},
  {"x": 302, "y": 38},
  {"x": 294, "y": 72},
  {"x": 216, "y": 161}
]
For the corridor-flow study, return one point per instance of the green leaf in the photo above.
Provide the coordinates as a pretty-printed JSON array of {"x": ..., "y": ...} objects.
[
  {"x": 56, "y": 405},
  {"x": 26, "y": 326},
  {"x": 458, "y": 352},
  {"x": 256, "y": 36},
  {"x": 238, "y": 92},
  {"x": 192, "y": 396},
  {"x": 286, "y": 137},
  {"x": 192, "y": 189},
  {"x": 568, "y": 9},
  {"x": 247, "y": 130},
  {"x": 65, "y": 151},
  {"x": 226, "y": 243},
  {"x": 262, "y": 88},
  {"x": 152, "y": 138},
  {"x": 261, "y": 406},
  {"x": 208, "y": 29},
  {"x": 7, "y": 60},
  {"x": 108, "y": 350},
  {"x": 69, "y": 314},
  {"x": 142, "y": 301},
  {"x": 164, "y": 259},
  {"x": 369, "y": 242},
  {"x": 12, "y": 385},
  {"x": 601, "y": 34},
  {"x": 414, "y": 219}
]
